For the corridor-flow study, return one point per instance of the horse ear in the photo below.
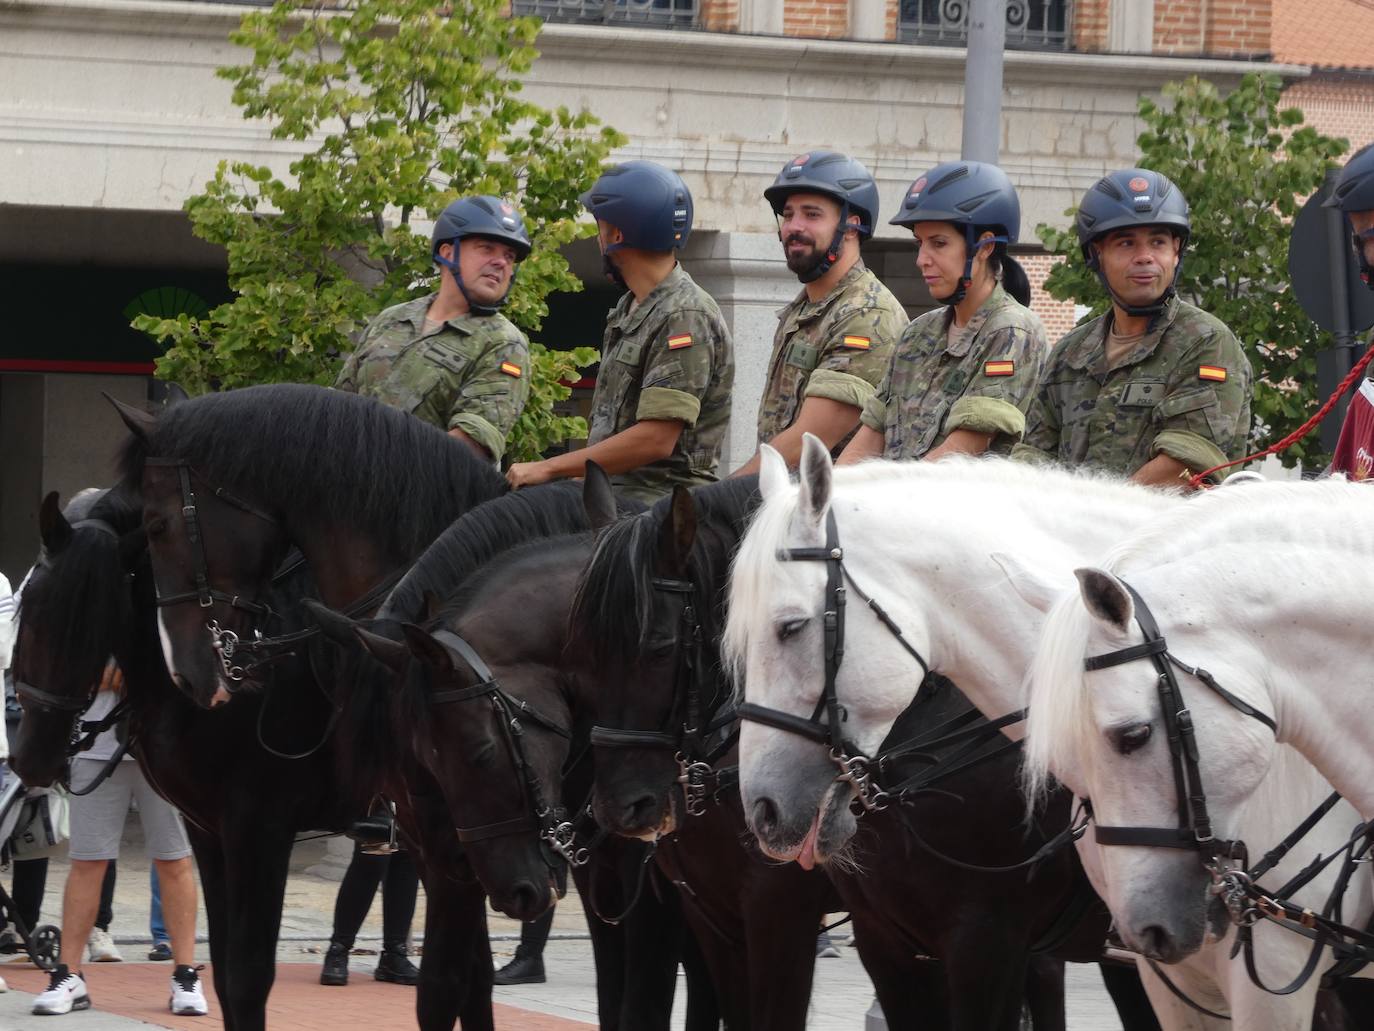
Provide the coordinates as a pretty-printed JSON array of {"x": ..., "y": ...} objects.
[
  {"x": 176, "y": 394},
  {"x": 425, "y": 648},
  {"x": 392, "y": 654},
  {"x": 773, "y": 475},
  {"x": 817, "y": 472},
  {"x": 334, "y": 625},
  {"x": 1036, "y": 589},
  {"x": 140, "y": 423},
  {"x": 53, "y": 528},
  {"x": 678, "y": 532},
  {"x": 1106, "y": 597},
  {"x": 597, "y": 497}
]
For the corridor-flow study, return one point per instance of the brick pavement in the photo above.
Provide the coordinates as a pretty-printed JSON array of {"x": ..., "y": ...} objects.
[{"x": 139, "y": 992}]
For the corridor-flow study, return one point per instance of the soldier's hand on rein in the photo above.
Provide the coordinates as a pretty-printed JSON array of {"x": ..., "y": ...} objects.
[{"x": 112, "y": 678}]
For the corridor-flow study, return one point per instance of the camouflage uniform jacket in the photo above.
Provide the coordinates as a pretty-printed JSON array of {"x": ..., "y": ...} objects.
[
  {"x": 668, "y": 358},
  {"x": 838, "y": 348},
  {"x": 471, "y": 374},
  {"x": 983, "y": 381},
  {"x": 1183, "y": 391}
]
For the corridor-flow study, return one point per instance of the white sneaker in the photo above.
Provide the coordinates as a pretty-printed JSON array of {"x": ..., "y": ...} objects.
[
  {"x": 3, "y": 987},
  {"x": 102, "y": 947},
  {"x": 66, "y": 992},
  {"x": 188, "y": 1000}
]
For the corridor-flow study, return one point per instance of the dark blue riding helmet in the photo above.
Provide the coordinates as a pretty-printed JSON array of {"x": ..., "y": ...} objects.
[
  {"x": 1355, "y": 192},
  {"x": 649, "y": 204},
  {"x": 1128, "y": 198},
  {"x": 489, "y": 217},
  {"x": 839, "y": 177},
  {"x": 972, "y": 194}
]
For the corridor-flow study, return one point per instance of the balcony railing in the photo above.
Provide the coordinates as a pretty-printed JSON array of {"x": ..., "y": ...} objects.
[
  {"x": 1031, "y": 24},
  {"x": 659, "y": 14}
]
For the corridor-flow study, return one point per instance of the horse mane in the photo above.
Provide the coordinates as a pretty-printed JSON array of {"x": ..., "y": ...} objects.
[
  {"x": 1268, "y": 515},
  {"x": 81, "y": 594},
  {"x": 612, "y": 605},
  {"x": 481, "y": 533},
  {"x": 238, "y": 440}
]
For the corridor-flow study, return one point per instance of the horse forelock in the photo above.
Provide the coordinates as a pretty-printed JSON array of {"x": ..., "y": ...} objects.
[
  {"x": 1059, "y": 716},
  {"x": 610, "y": 608},
  {"x": 291, "y": 446}
]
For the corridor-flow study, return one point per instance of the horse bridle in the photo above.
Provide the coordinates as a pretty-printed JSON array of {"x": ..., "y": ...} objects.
[
  {"x": 690, "y": 741},
  {"x": 854, "y": 768},
  {"x": 1194, "y": 831},
  {"x": 224, "y": 643},
  {"x": 556, "y": 834}
]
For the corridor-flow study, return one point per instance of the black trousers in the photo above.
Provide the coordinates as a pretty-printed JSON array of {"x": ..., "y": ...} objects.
[{"x": 399, "y": 881}]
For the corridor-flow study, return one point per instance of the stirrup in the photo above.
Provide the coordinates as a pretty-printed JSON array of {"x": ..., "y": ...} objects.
[{"x": 376, "y": 833}]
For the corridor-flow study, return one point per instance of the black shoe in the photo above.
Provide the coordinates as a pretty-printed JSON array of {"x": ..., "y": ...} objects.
[
  {"x": 393, "y": 965},
  {"x": 335, "y": 969},
  {"x": 161, "y": 952},
  {"x": 523, "y": 969}
]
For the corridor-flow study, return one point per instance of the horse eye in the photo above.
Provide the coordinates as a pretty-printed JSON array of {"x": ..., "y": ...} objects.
[
  {"x": 1130, "y": 739},
  {"x": 791, "y": 628},
  {"x": 157, "y": 527}
]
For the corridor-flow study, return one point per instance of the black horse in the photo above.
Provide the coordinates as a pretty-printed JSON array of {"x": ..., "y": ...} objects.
[
  {"x": 229, "y": 482},
  {"x": 489, "y": 680},
  {"x": 665, "y": 573},
  {"x": 90, "y": 597}
]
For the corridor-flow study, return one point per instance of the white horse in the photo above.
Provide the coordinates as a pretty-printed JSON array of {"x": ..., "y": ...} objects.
[
  {"x": 932, "y": 542},
  {"x": 1261, "y": 587}
]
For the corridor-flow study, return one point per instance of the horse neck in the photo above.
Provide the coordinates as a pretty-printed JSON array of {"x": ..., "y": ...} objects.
[
  {"x": 346, "y": 562},
  {"x": 1315, "y": 682},
  {"x": 981, "y": 633}
]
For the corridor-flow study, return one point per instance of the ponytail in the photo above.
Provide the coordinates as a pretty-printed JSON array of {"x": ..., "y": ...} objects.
[{"x": 1014, "y": 279}]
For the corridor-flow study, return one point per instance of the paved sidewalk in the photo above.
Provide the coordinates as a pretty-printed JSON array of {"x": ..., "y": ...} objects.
[{"x": 134, "y": 994}]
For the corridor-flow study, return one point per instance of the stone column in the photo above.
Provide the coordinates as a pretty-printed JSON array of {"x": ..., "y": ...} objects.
[
  {"x": 747, "y": 276},
  {"x": 868, "y": 19},
  {"x": 760, "y": 17},
  {"x": 1131, "y": 26}
]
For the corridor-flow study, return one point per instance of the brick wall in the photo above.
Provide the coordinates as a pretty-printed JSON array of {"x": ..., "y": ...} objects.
[
  {"x": 1336, "y": 105},
  {"x": 1090, "y": 25},
  {"x": 1219, "y": 28},
  {"x": 720, "y": 15},
  {"x": 1057, "y": 316},
  {"x": 816, "y": 19}
]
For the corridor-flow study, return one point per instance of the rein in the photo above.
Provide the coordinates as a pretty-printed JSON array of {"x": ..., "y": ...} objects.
[{"x": 556, "y": 834}]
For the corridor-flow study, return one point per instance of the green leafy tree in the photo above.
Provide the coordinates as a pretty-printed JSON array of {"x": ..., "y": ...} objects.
[
  {"x": 1246, "y": 167},
  {"x": 406, "y": 105}
]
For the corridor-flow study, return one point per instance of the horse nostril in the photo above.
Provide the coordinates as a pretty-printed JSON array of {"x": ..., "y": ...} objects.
[
  {"x": 1157, "y": 943},
  {"x": 524, "y": 898},
  {"x": 765, "y": 816},
  {"x": 640, "y": 812}
]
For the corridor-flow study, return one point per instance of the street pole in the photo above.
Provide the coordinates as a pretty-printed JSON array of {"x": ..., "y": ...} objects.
[
  {"x": 1341, "y": 358},
  {"x": 987, "y": 37}
]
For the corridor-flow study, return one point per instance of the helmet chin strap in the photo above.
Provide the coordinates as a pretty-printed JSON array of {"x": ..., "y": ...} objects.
[
  {"x": 970, "y": 250},
  {"x": 1366, "y": 269},
  {"x": 474, "y": 306},
  {"x": 832, "y": 253},
  {"x": 1152, "y": 310},
  {"x": 610, "y": 268}
]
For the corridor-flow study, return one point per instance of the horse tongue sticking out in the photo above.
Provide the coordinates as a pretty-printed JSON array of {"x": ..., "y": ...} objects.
[{"x": 806, "y": 858}]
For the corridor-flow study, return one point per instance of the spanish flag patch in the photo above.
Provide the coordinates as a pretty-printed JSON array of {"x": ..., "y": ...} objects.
[
  {"x": 1215, "y": 373},
  {"x": 681, "y": 340},
  {"x": 511, "y": 369},
  {"x": 858, "y": 343},
  {"x": 1005, "y": 367}
]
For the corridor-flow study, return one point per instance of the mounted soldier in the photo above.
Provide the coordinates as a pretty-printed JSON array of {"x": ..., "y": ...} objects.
[
  {"x": 1354, "y": 195},
  {"x": 662, "y": 396},
  {"x": 1155, "y": 389},
  {"x": 962, "y": 375},
  {"x": 835, "y": 340},
  {"x": 451, "y": 358}
]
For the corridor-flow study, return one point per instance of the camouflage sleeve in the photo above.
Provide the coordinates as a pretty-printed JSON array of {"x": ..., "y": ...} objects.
[
  {"x": 1205, "y": 417},
  {"x": 874, "y": 415},
  {"x": 1040, "y": 441},
  {"x": 856, "y": 356},
  {"x": 494, "y": 396},
  {"x": 996, "y": 400},
  {"x": 348, "y": 375},
  {"x": 678, "y": 367}
]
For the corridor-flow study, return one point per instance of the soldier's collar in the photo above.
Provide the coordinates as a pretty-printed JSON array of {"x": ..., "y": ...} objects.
[
  {"x": 807, "y": 309},
  {"x": 1091, "y": 351},
  {"x": 628, "y": 321},
  {"x": 416, "y": 313},
  {"x": 995, "y": 301}
]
